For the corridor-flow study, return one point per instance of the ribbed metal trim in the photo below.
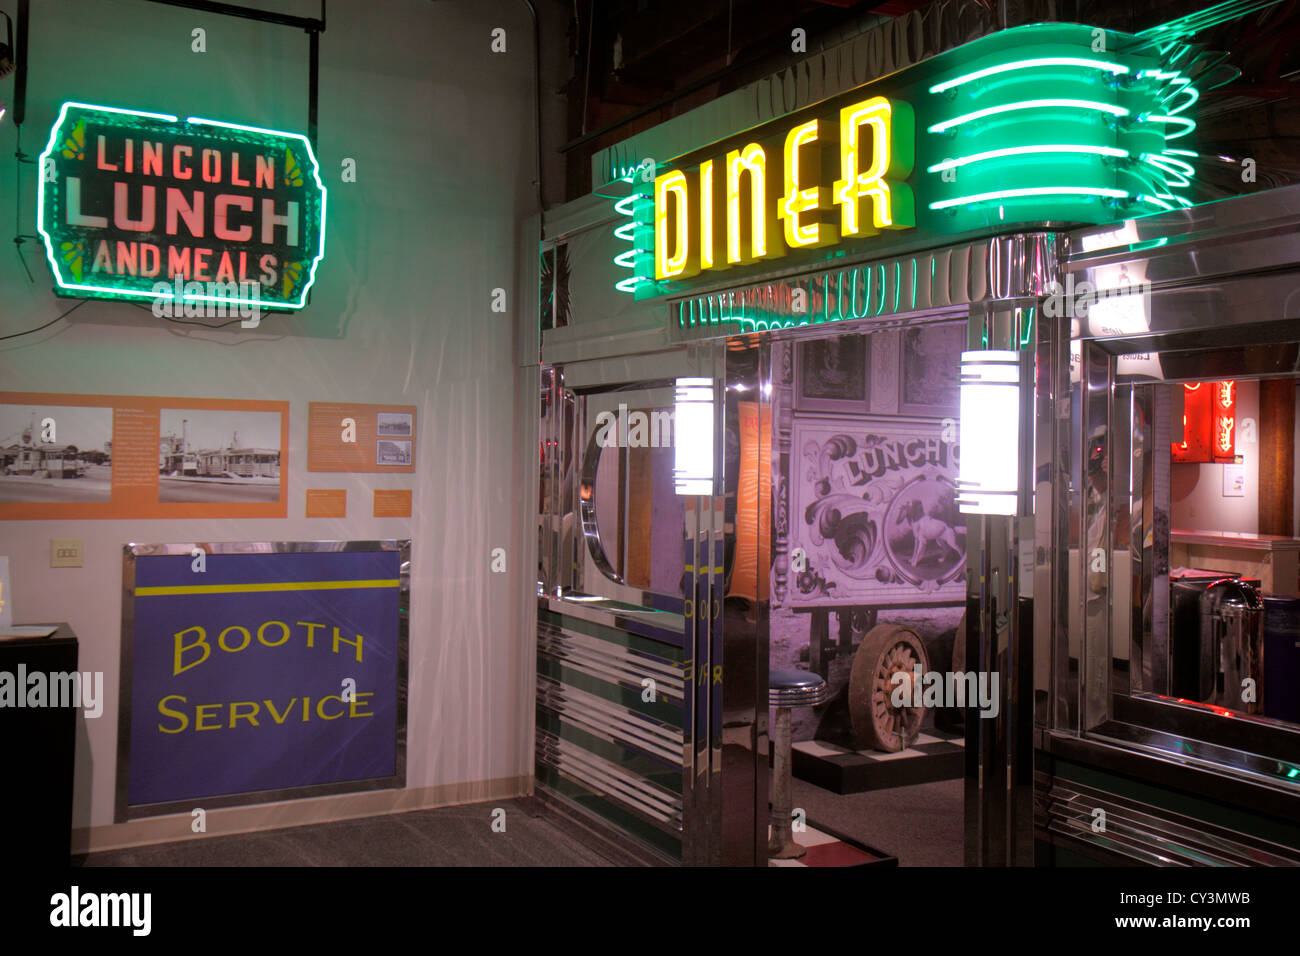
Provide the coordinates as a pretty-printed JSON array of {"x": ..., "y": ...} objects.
[
  {"x": 1147, "y": 833},
  {"x": 631, "y": 791},
  {"x": 609, "y": 661},
  {"x": 612, "y": 722},
  {"x": 801, "y": 697}
]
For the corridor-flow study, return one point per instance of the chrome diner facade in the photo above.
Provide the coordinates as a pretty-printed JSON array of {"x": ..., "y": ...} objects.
[{"x": 1028, "y": 187}]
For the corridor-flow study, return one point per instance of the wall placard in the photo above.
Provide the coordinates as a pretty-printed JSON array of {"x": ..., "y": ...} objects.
[
  {"x": 118, "y": 456},
  {"x": 265, "y": 671},
  {"x": 327, "y": 503},
  {"x": 392, "y": 502},
  {"x": 344, "y": 436}
]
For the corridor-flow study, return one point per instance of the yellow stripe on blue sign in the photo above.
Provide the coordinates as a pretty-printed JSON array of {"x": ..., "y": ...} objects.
[{"x": 267, "y": 586}]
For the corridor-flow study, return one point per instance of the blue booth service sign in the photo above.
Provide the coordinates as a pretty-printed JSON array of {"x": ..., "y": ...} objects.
[{"x": 260, "y": 672}]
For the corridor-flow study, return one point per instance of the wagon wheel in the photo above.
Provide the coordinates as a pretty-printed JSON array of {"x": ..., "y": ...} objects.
[
  {"x": 959, "y": 646},
  {"x": 886, "y": 650}
]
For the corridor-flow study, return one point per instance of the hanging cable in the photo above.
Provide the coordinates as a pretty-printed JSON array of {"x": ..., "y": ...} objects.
[{"x": 47, "y": 324}]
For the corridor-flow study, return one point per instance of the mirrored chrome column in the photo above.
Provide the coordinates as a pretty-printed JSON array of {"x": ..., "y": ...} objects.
[
  {"x": 999, "y": 631},
  {"x": 704, "y": 581},
  {"x": 1097, "y": 554}
]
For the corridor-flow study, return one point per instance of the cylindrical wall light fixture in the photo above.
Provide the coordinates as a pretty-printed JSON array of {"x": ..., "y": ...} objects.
[
  {"x": 693, "y": 437},
  {"x": 989, "y": 469}
]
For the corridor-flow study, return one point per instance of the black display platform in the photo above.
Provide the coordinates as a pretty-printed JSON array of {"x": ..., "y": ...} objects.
[
  {"x": 937, "y": 755},
  {"x": 40, "y": 745}
]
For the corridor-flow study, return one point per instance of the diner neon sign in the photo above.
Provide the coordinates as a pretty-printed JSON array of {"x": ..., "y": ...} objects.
[
  {"x": 763, "y": 202},
  {"x": 1040, "y": 124}
]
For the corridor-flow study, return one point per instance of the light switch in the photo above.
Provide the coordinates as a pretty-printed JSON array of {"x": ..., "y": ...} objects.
[{"x": 65, "y": 552}]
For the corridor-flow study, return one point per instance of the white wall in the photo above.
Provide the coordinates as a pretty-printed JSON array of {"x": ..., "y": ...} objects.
[
  {"x": 441, "y": 131},
  {"x": 1196, "y": 491}
]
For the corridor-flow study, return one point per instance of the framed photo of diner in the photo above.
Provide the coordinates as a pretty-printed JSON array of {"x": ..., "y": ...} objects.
[
  {"x": 909, "y": 371},
  {"x": 118, "y": 456},
  {"x": 832, "y": 374},
  {"x": 352, "y": 437},
  {"x": 929, "y": 356}
]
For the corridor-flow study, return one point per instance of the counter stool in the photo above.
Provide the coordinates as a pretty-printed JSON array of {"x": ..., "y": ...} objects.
[{"x": 786, "y": 689}]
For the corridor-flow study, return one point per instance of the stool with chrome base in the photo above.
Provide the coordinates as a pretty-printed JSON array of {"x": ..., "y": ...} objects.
[{"x": 786, "y": 689}]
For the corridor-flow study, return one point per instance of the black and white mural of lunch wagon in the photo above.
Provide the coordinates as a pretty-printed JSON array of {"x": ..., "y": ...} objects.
[{"x": 875, "y": 512}]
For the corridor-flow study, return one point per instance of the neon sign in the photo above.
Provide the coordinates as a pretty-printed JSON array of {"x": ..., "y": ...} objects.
[
  {"x": 773, "y": 201},
  {"x": 1209, "y": 423},
  {"x": 1035, "y": 125},
  {"x": 136, "y": 205},
  {"x": 1225, "y": 421}
]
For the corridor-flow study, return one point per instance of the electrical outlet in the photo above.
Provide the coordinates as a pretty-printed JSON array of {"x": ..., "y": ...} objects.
[{"x": 65, "y": 552}]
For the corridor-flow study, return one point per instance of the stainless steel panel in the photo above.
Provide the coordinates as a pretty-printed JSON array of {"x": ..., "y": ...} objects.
[
  {"x": 644, "y": 798},
  {"x": 609, "y": 662},
  {"x": 1150, "y": 834},
  {"x": 610, "y": 721},
  {"x": 1245, "y": 234},
  {"x": 1096, "y": 556}
]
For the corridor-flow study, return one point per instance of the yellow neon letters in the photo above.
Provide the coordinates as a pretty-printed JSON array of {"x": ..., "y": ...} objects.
[
  {"x": 890, "y": 208},
  {"x": 771, "y": 196},
  {"x": 751, "y": 160},
  {"x": 708, "y": 242},
  {"x": 797, "y": 201},
  {"x": 671, "y": 252}
]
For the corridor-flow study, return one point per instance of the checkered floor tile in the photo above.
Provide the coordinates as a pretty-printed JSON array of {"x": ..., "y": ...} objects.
[
  {"x": 935, "y": 742},
  {"x": 934, "y": 755}
]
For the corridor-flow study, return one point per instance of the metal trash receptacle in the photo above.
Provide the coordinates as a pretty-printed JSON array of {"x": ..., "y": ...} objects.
[{"x": 1232, "y": 624}]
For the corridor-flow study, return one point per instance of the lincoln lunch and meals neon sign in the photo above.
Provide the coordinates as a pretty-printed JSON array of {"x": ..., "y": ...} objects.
[{"x": 136, "y": 205}]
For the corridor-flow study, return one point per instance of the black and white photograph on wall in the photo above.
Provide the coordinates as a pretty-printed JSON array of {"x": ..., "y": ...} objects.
[
  {"x": 392, "y": 452},
  {"x": 931, "y": 355},
  {"x": 55, "y": 453},
  {"x": 218, "y": 455},
  {"x": 394, "y": 423},
  {"x": 831, "y": 374}
]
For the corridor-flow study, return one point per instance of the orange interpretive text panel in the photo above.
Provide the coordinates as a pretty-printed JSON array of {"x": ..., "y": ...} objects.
[
  {"x": 392, "y": 503},
  {"x": 327, "y": 503},
  {"x": 132, "y": 456},
  {"x": 345, "y": 436}
]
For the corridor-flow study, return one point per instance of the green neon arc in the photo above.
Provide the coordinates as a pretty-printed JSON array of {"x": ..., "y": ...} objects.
[
  {"x": 170, "y": 296},
  {"x": 1029, "y": 105},
  {"x": 1033, "y": 191},
  {"x": 1187, "y": 124},
  {"x": 1104, "y": 65},
  {"x": 1027, "y": 151}
]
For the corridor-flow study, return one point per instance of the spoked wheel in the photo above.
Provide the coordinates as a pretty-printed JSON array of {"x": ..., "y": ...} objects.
[{"x": 888, "y": 649}]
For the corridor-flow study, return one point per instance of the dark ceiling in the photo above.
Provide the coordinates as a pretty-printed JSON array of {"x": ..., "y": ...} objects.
[{"x": 637, "y": 63}]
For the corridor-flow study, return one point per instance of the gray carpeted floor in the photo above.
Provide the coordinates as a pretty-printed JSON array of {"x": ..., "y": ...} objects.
[
  {"x": 921, "y": 825},
  {"x": 449, "y": 836}
]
